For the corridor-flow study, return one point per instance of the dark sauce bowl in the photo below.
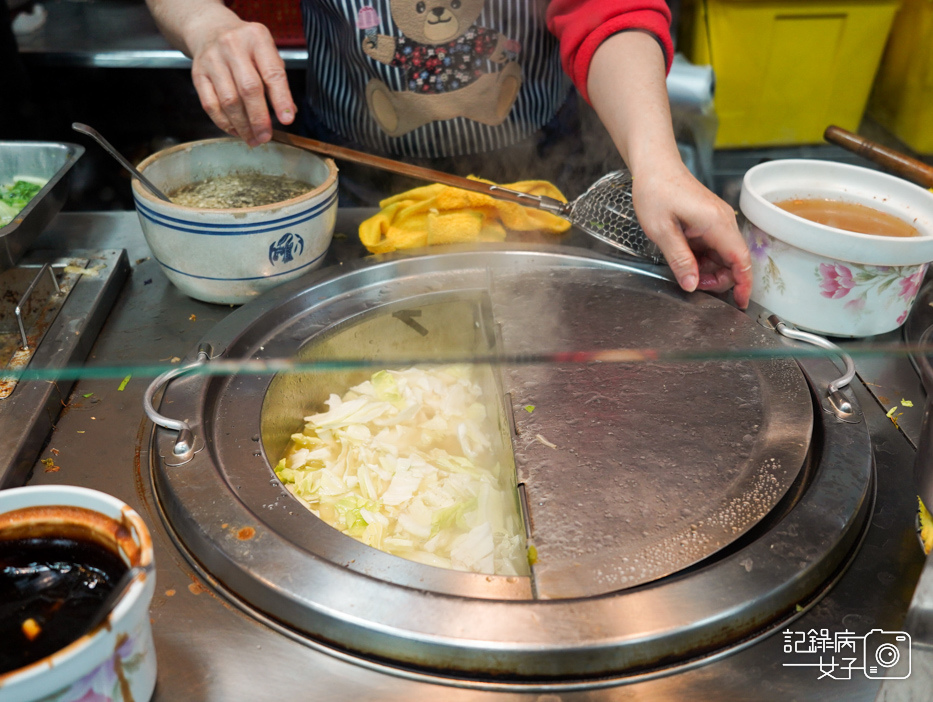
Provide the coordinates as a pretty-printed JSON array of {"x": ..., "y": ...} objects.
[{"x": 66, "y": 555}]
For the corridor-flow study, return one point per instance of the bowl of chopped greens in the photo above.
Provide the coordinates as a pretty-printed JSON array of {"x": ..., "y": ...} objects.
[{"x": 34, "y": 183}]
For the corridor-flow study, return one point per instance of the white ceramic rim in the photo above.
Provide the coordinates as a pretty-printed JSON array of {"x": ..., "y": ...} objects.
[
  {"x": 143, "y": 192},
  {"x": 835, "y": 243},
  {"x": 109, "y": 506}
]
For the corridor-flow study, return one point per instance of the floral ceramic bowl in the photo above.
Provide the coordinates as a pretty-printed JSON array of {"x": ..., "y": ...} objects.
[
  {"x": 827, "y": 280},
  {"x": 114, "y": 662},
  {"x": 230, "y": 256}
]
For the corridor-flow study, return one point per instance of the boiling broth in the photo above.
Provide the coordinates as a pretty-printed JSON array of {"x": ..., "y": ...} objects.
[
  {"x": 849, "y": 216},
  {"x": 50, "y": 590}
]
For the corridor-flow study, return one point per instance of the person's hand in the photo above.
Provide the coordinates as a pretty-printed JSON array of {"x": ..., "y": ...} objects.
[
  {"x": 695, "y": 230},
  {"x": 235, "y": 68}
]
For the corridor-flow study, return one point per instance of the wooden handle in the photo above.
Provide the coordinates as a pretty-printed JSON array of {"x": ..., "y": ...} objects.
[
  {"x": 889, "y": 159},
  {"x": 405, "y": 169}
]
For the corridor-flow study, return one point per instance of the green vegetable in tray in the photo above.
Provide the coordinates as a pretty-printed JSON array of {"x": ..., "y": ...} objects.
[{"x": 13, "y": 198}]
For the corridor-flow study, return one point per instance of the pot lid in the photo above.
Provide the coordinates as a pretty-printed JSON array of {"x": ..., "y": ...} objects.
[{"x": 648, "y": 467}]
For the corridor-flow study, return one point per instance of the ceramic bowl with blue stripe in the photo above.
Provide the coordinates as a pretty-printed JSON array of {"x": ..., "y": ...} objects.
[{"x": 230, "y": 256}]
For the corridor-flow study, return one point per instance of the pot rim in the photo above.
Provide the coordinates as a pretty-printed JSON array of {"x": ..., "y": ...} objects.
[{"x": 923, "y": 361}]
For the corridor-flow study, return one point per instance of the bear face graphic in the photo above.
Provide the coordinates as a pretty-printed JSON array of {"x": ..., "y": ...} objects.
[
  {"x": 443, "y": 55},
  {"x": 437, "y": 22}
]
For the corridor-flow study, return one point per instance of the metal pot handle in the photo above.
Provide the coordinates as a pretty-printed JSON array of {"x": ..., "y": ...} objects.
[
  {"x": 839, "y": 404},
  {"x": 923, "y": 460},
  {"x": 183, "y": 449},
  {"x": 923, "y": 360}
]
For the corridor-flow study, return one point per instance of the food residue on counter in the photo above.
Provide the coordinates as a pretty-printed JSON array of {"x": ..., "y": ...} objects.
[
  {"x": 544, "y": 441},
  {"x": 90, "y": 271},
  {"x": 197, "y": 588}
]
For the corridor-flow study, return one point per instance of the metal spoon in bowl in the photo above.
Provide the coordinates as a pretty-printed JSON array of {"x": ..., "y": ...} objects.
[
  {"x": 94, "y": 134},
  {"x": 114, "y": 596}
]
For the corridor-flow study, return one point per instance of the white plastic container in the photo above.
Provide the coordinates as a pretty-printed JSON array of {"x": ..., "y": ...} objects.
[
  {"x": 117, "y": 660},
  {"x": 230, "y": 256},
  {"x": 826, "y": 280}
]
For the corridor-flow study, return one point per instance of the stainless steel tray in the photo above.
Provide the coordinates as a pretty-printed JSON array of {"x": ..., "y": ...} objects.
[{"x": 40, "y": 159}]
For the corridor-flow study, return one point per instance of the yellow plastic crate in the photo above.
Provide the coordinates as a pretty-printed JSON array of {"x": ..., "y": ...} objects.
[
  {"x": 787, "y": 70},
  {"x": 902, "y": 99}
]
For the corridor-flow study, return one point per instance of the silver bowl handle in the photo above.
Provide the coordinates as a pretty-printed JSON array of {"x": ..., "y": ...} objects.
[
  {"x": 923, "y": 461},
  {"x": 184, "y": 442}
]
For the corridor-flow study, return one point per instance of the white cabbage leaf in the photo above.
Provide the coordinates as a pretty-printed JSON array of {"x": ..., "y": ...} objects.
[{"x": 406, "y": 462}]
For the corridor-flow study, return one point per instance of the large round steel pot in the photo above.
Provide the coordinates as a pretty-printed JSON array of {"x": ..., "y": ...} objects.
[{"x": 688, "y": 507}]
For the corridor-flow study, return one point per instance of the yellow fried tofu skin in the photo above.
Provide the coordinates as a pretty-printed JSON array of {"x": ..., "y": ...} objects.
[{"x": 441, "y": 214}]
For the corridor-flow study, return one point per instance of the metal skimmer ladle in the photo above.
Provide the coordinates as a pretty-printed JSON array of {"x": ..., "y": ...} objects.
[
  {"x": 604, "y": 211},
  {"x": 108, "y": 147}
]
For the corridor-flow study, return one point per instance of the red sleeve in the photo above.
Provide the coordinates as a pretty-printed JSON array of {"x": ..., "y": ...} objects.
[{"x": 582, "y": 25}]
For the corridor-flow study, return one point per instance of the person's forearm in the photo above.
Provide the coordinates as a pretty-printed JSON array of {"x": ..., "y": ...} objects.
[
  {"x": 583, "y": 26},
  {"x": 184, "y": 22},
  {"x": 695, "y": 229},
  {"x": 627, "y": 88}
]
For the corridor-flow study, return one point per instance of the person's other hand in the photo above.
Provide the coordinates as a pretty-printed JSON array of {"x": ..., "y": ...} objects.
[
  {"x": 695, "y": 230},
  {"x": 235, "y": 67}
]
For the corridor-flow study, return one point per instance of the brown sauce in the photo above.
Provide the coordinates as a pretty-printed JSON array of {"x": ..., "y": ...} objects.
[
  {"x": 239, "y": 190},
  {"x": 849, "y": 216},
  {"x": 50, "y": 591}
]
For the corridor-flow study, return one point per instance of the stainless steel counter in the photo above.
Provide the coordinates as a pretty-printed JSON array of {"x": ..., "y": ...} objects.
[{"x": 211, "y": 647}]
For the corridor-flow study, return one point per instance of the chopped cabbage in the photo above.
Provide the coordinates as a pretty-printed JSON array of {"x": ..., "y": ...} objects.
[
  {"x": 15, "y": 196},
  {"x": 404, "y": 462}
]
